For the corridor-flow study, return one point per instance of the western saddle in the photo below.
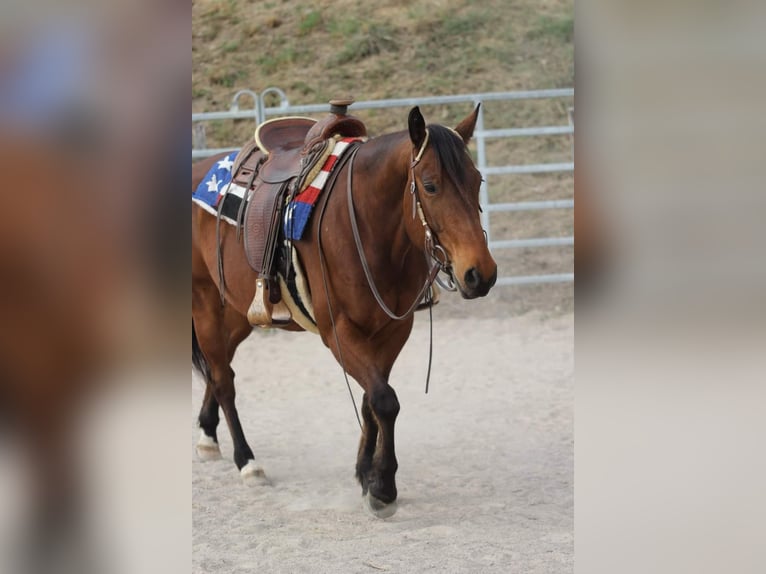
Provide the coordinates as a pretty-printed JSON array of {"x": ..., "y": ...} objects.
[{"x": 294, "y": 150}]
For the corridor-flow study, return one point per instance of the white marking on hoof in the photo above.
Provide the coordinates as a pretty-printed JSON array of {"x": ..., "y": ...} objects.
[
  {"x": 253, "y": 474},
  {"x": 378, "y": 508},
  {"x": 207, "y": 448}
]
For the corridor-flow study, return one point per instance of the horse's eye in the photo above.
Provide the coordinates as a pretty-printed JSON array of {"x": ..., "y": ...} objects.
[{"x": 429, "y": 187}]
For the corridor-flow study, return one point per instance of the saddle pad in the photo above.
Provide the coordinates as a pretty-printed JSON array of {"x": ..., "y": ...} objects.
[
  {"x": 215, "y": 184},
  {"x": 299, "y": 210}
]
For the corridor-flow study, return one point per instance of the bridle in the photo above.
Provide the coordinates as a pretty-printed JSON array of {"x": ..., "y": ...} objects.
[{"x": 436, "y": 255}]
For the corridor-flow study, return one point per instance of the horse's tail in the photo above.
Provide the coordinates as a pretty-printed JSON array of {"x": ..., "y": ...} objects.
[{"x": 198, "y": 358}]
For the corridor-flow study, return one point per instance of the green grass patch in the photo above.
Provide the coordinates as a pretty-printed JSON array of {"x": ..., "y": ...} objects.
[
  {"x": 227, "y": 78},
  {"x": 309, "y": 21},
  {"x": 556, "y": 29},
  {"x": 200, "y": 93},
  {"x": 461, "y": 24},
  {"x": 209, "y": 31},
  {"x": 302, "y": 87},
  {"x": 344, "y": 27},
  {"x": 220, "y": 132},
  {"x": 369, "y": 40},
  {"x": 230, "y": 46},
  {"x": 271, "y": 62}
]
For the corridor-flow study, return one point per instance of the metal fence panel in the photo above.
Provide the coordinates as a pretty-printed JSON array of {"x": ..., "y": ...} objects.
[{"x": 260, "y": 112}]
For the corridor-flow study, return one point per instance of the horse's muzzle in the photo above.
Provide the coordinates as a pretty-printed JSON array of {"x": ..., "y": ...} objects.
[{"x": 475, "y": 285}]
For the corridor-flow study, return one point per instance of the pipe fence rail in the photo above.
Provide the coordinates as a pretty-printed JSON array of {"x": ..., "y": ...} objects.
[{"x": 259, "y": 112}]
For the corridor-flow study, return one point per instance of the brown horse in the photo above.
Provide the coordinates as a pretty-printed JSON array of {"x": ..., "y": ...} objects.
[{"x": 425, "y": 171}]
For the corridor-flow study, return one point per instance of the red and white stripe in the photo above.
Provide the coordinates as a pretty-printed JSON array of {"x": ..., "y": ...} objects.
[{"x": 311, "y": 193}]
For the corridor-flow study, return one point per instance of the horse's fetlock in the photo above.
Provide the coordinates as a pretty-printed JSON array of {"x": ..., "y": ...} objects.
[
  {"x": 384, "y": 491},
  {"x": 209, "y": 418},
  {"x": 209, "y": 425}
]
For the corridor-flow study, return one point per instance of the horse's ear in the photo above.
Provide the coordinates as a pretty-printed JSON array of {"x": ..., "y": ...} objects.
[
  {"x": 417, "y": 127},
  {"x": 466, "y": 127}
]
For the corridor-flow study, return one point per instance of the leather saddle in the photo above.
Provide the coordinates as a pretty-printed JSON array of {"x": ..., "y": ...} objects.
[{"x": 285, "y": 153}]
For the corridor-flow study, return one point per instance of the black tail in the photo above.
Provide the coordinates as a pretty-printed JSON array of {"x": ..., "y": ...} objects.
[{"x": 198, "y": 358}]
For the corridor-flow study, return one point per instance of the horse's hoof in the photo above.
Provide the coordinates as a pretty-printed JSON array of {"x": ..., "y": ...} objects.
[
  {"x": 253, "y": 475},
  {"x": 378, "y": 508},
  {"x": 207, "y": 448}
]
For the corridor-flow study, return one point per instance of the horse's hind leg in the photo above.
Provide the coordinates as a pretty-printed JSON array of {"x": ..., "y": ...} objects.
[
  {"x": 219, "y": 331},
  {"x": 207, "y": 446}
]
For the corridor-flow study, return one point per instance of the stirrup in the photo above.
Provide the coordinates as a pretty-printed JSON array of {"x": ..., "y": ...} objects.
[
  {"x": 262, "y": 312},
  {"x": 259, "y": 312},
  {"x": 280, "y": 314}
]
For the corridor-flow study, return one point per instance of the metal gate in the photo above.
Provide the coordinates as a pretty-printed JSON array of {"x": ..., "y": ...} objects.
[{"x": 260, "y": 112}]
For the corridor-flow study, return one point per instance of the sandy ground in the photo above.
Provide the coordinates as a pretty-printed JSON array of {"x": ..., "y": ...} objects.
[{"x": 485, "y": 459}]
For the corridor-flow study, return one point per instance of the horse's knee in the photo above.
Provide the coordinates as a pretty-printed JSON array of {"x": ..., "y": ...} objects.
[
  {"x": 384, "y": 403},
  {"x": 223, "y": 385}
]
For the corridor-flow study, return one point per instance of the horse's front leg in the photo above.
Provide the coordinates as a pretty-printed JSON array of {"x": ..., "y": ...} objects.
[
  {"x": 369, "y": 361},
  {"x": 367, "y": 444},
  {"x": 379, "y": 482}
]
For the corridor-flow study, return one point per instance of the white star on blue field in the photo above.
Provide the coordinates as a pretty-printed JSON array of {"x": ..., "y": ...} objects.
[{"x": 216, "y": 181}]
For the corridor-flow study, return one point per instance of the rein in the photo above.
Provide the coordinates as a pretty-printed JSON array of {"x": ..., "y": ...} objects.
[
  {"x": 366, "y": 266},
  {"x": 432, "y": 248},
  {"x": 434, "y": 252},
  {"x": 323, "y": 266}
]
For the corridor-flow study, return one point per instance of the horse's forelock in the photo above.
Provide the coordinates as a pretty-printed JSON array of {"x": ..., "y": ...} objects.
[{"x": 452, "y": 153}]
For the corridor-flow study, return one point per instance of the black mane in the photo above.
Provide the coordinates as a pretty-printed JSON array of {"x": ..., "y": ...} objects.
[{"x": 451, "y": 151}]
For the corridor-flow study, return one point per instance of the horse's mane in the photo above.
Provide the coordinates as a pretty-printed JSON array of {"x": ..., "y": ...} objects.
[{"x": 451, "y": 151}]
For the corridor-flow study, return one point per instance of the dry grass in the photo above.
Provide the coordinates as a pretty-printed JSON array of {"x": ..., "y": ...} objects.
[{"x": 404, "y": 48}]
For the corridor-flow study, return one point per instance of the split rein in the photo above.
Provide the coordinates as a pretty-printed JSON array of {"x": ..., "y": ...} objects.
[{"x": 436, "y": 256}]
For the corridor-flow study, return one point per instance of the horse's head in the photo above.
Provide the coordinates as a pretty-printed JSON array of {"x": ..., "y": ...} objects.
[{"x": 447, "y": 187}]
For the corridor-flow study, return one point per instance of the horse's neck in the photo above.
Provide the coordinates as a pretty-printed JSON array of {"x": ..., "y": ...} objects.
[
  {"x": 383, "y": 201},
  {"x": 387, "y": 160}
]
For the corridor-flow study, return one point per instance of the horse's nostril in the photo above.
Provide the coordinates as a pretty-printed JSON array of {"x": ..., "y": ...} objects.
[{"x": 472, "y": 278}]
